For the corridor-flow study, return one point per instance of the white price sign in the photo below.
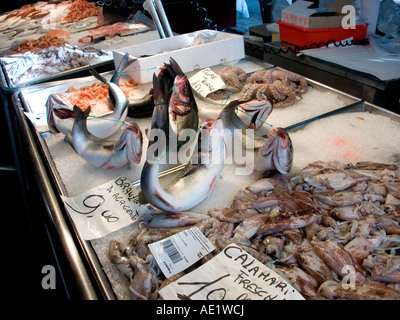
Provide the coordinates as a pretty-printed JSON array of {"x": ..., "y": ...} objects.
[
  {"x": 105, "y": 209},
  {"x": 231, "y": 275},
  {"x": 206, "y": 81}
]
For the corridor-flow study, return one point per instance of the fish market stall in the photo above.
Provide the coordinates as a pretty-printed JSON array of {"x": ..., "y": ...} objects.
[
  {"x": 326, "y": 127},
  {"x": 186, "y": 162}
]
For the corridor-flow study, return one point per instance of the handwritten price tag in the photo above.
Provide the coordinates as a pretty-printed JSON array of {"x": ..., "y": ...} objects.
[
  {"x": 236, "y": 275},
  {"x": 206, "y": 81},
  {"x": 105, "y": 209}
]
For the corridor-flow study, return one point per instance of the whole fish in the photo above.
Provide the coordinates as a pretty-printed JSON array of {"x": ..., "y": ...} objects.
[
  {"x": 239, "y": 117},
  {"x": 175, "y": 107},
  {"x": 275, "y": 149},
  {"x": 60, "y": 113},
  {"x": 160, "y": 119},
  {"x": 104, "y": 153},
  {"x": 196, "y": 182},
  {"x": 143, "y": 107}
]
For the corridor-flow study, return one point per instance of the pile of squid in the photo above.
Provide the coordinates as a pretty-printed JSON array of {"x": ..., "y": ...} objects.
[
  {"x": 282, "y": 87},
  {"x": 332, "y": 230}
]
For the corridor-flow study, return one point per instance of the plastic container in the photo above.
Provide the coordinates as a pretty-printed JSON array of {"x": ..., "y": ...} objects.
[
  {"x": 304, "y": 37},
  {"x": 221, "y": 48}
]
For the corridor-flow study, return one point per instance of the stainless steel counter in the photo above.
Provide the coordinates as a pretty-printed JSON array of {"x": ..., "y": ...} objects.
[{"x": 83, "y": 259}]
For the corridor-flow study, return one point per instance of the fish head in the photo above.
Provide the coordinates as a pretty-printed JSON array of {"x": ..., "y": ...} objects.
[
  {"x": 132, "y": 141},
  {"x": 254, "y": 113},
  {"x": 57, "y": 107},
  {"x": 278, "y": 150},
  {"x": 181, "y": 97}
]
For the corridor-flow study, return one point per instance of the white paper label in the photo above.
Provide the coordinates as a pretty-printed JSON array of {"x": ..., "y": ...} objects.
[
  {"x": 105, "y": 209},
  {"x": 206, "y": 81},
  {"x": 231, "y": 275},
  {"x": 179, "y": 251}
]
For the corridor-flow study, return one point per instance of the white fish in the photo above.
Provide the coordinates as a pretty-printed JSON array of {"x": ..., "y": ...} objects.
[
  {"x": 104, "y": 153},
  {"x": 195, "y": 183},
  {"x": 275, "y": 147},
  {"x": 60, "y": 112}
]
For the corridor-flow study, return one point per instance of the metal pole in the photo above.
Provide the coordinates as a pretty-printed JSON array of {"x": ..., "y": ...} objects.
[
  {"x": 163, "y": 18},
  {"x": 150, "y": 6}
]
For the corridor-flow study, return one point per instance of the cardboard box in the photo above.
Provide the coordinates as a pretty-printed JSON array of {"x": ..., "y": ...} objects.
[
  {"x": 223, "y": 47},
  {"x": 299, "y": 14}
]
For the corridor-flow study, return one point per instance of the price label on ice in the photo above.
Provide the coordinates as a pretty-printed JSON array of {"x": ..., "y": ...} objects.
[
  {"x": 206, "y": 81},
  {"x": 231, "y": 275},
  {"x": 178, "y": 252},
  {"x": 105, "y": 209}
]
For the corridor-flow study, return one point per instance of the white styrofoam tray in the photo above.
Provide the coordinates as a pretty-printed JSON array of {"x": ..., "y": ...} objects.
[{"x": 224, "y": 47}]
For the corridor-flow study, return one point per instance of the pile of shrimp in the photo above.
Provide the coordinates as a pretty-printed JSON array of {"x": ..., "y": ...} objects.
[
  {"x": 80, "y": 10},
  {"x": 332, "y": 230},
  {"x": 43, "y": 42},
  {"x": 96, "y": 94}
]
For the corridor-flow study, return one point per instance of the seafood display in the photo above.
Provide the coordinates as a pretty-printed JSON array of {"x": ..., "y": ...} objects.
[
  {"x": 43, "y": 42},
  {"x": 46, "y": 62},
  {"x": 331, "y": 229},
  {"x": 174, "y": 113},
  {"x": 105, "y": 142},
  {"x": 283, "y": 87},
  {"x": 60, "y": 112},
  {"x": 81, "y": 9},
  {"x": 103, "y": 153},
  {"x": 46, "y": 40},
  {"x": 110, "y": 31},
  {"x": 21, "y": 25},
  {"x": 234, "y": 78}
]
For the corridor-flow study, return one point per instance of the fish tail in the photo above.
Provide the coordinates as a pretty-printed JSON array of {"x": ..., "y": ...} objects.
[
  {"x": 159, "y": 91},
  {"x": 174, "y": 68},
  {"x": 79, "y": 114},
  {"x": 122, "y": 65},
  {"x": 98, "y": 76}
]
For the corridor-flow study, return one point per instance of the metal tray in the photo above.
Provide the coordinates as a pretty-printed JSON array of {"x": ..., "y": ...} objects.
[{"x": 104, "y": 64}]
